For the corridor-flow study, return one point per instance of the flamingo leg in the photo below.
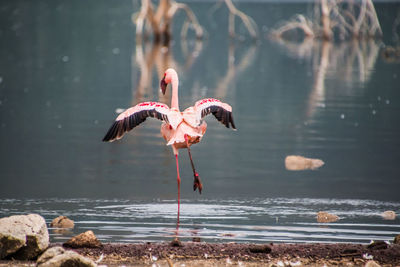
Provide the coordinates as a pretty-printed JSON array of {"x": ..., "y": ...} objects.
[
  {"x": 178, "y": 179},
  {"x": 196, "y": 183}
]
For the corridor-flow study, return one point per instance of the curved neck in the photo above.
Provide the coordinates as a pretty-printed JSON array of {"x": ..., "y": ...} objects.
[{"x": 174, "y": 98}]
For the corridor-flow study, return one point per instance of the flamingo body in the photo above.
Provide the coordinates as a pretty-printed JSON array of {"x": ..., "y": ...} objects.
[{"x": 179, "y": 129}]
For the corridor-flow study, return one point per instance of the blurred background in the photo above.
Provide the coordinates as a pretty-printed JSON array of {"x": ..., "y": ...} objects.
[{"x": 67, "y": 67}]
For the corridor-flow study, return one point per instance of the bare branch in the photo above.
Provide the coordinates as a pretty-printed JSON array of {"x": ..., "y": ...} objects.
[{"x": 248, "y": 22}]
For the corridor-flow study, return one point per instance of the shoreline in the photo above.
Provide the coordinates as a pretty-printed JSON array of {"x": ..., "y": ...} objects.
[
  {"x": 246, "y": 254},
  {"x": 236, "y": 254}
]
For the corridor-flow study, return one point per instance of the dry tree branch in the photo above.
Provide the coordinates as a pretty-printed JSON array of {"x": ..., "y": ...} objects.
[
  {"x": 374, "y": 17},
  {"x": 348, "y": 18},
  {"x": 300, "y": 22},
  {"x": 160, "y": 20},
  {"x": 248, "y": 22},
  {"x": 361, "y": 18}
]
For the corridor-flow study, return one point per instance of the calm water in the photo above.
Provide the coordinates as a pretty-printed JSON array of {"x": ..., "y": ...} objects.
[{"x": 67, "y": 66}]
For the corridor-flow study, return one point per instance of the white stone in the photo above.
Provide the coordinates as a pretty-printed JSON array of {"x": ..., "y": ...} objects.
[
  {"x": 23, "y": 236},
  {"x": 58, "y": 256},
  {"x": 298, "y": 163}
]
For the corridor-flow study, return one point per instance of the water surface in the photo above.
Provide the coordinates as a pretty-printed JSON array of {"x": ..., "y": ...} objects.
[
  {"x": 256, "y": 220},
  {"x": 67, "y": 66}
]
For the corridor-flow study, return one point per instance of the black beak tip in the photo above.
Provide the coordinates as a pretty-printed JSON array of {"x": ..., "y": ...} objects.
[{"x": 163, "y": 86}]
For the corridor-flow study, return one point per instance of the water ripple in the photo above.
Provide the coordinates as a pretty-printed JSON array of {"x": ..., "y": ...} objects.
[{"x": 239, "y": 220}]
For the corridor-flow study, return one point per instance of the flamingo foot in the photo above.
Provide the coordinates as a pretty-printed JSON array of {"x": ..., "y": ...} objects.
[{"x": 197, "y": 183}]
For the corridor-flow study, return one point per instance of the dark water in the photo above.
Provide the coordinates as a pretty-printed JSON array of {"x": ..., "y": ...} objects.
[{"x": 67, "y": 66}]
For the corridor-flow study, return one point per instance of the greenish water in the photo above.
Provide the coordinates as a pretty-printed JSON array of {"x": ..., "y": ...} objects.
[{"x": 67, "y": 66}]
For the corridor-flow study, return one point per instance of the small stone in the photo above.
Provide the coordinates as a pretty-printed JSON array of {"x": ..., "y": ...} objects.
[
  {"x": 376, "y": 245},
  {"x": 83, "y": 240},
  {"x": 389, "y": 215},
  {"x": 62, "y": 222},
  {"x": 367, "y": 256},
  {"x": 325, "y": 217},
  {"x": 176, "y": 242},
  {"x": 58, "y": 257},
  {"x": 196, "y": 239},
  {"x": 299, "y": 163},
  {"x": 260, "y": 249},
  {"x": 50, "y": 253},
  {"x": 372, "y": 263},
  {"x": 397, "y": 240},
  {"x": 349, "y": 252}
]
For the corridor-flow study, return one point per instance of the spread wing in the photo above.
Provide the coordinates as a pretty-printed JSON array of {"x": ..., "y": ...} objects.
[
  {"x": 134, "y": 116},
  {"x": 221, "y": 111}
]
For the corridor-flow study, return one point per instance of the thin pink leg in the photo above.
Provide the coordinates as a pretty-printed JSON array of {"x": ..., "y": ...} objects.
[{"x": 178, "y": 179}]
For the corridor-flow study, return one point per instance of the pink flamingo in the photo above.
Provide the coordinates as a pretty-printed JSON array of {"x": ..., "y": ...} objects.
[{"x": 179, "y": 129}]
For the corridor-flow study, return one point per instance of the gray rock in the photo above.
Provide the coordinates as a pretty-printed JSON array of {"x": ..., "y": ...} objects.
[
  {"x": 50, "y": 253},
  {"x": 23, "y": 237},
  {"x": 58, "y": 256}
]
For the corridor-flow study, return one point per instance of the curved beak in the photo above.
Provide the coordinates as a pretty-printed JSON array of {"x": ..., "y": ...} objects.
[{"x": 163, "y": 85}]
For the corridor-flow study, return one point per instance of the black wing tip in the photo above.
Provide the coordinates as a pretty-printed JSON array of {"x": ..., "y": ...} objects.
[
  {"x": 120, "y": 127},
  {"x": 107, "y": 139},
  {"x": 113, "y": 132},
  {"x": 222, "y": 115},
  {"x": 231, "y": 121}
]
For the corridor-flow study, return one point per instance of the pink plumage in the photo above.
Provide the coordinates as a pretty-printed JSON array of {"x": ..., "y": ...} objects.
[{"x": 179, "y": 129}]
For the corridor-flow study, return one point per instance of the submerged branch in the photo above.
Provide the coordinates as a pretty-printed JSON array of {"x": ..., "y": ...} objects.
[{"x": 348, "y": 19}]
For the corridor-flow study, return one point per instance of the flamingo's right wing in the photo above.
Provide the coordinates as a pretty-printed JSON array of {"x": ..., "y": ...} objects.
[
  {"x": 134, "y": 116},
  {"x": 221, "y": 111}
]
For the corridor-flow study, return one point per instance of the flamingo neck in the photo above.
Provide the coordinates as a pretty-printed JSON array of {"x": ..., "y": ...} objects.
[{"x": 174, "y": 99}]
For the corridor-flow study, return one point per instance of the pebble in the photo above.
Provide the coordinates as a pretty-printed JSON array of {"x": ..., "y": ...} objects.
[
  {"x": 325, "y": 217},
  {"x": 389, "y": 215}
]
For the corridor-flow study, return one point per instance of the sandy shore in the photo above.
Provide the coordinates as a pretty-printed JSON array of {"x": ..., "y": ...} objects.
[
  {"x": 211, "y": 254},
  {"x": 234, "y": 254}
]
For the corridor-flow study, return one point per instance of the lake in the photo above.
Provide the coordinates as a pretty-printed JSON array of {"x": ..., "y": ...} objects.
[{"x": 67, "y": 67}]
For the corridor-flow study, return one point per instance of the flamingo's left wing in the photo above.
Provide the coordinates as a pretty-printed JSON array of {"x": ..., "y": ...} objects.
[
  {"x": 221, "y": 111},
  {"x": 134, "y": 116}
]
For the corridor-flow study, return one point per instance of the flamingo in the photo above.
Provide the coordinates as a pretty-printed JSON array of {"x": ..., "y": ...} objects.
[{"x": 179, "y": 129}]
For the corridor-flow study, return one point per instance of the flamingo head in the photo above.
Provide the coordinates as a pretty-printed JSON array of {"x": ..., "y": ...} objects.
[
  {"x": 163, "y": 85},
  {"x": 169, "y": 76}
]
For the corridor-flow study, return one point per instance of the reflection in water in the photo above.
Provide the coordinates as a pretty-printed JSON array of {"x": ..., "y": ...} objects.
[
  {"x": 160, "y": 20},
  {"x": 234, "y": 69},
  {"x": 348, "y": 62},
  {"x": 160, "y": 57}
]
